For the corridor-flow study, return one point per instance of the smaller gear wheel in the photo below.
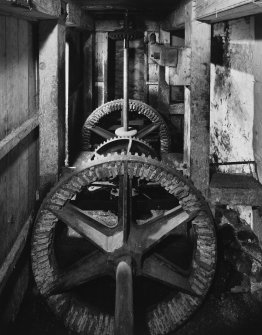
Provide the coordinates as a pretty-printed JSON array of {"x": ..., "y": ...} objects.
[
  {"x": 155, "y": 127},
  {"x": 126, "y": 145}
]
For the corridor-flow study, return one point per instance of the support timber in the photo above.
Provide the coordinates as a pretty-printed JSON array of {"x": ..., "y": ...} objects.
[{"x": 51, "y": 101}]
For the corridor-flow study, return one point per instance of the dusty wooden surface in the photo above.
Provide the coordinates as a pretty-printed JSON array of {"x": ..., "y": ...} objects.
[
  {"x": 230, "y": 189},
  {"x": 19, "y": 154},
  {"x": 78, "y": 18},
  {"x": 51, "y": 101},
  {"x": 197, "y": 102},
  {"x": 215, "y": 11},
  {"x": 18, "y": 118}
]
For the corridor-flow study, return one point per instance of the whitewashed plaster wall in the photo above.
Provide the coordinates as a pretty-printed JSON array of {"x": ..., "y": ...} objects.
[
  {"x": 232, "y": 94},
  {"x": 236, "y": 99}
]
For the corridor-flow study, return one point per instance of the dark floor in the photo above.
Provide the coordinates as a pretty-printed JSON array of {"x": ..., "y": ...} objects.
[{"x": 223, "y": 312}]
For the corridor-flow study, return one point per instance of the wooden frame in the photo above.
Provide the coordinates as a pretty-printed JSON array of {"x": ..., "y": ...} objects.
[
  {"x": 16, "y": 136},
  {"x": 235, "y": 189},
  {"x": 51, "y": 102},
  {"x": 10, "y": 261},
  {"x": 214, "y": 11}
]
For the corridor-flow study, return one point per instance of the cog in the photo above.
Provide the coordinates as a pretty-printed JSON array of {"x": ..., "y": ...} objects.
[
  {"x": 163, "y": 316},
  {"x": 134, "y": 107},
  {"x": 127, "y": 145}
]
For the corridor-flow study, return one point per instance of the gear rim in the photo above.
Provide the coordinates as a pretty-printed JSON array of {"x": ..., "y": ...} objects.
[
  {"x": 134, "y": 106},
  {"x": 146, "y": 148},
  {"x": 166, "y": 316}
]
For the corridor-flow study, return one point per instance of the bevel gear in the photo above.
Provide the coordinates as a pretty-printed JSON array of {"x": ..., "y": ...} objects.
[
  {"x": 127, "y": 145},
  {"x": 134, "y": 107}
]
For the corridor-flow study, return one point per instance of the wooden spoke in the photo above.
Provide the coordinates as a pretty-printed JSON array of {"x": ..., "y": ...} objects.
[
  {"x": 124, "y": 204},
  {"x": 89, "y": 267},
  {"x": 147, "y": 130},
  {"x": 102, "y": 132},
  {"x": 151, "y": 233},
  {"x": 124, "y": 317},
  {"x": 89, "y": 228},
  {"x": 160, "y": 269}
]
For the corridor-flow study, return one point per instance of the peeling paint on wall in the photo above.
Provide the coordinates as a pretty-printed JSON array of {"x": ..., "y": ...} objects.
[{"x": 232, "y": 94}]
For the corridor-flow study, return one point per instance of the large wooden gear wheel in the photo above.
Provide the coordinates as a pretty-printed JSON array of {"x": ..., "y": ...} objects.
[
  {"x": 154, "y": 119},
  {"x": 156, "y": 223}
]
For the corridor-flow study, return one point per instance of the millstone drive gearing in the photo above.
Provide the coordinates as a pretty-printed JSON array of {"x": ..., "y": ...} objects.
[
  {"x": 129, "y": 249},
  {"x": 157, "y": 122},
  {"x": 126, "y": 145}
]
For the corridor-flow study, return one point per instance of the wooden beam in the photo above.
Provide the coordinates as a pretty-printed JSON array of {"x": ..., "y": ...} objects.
[
  {"x": 51, "y": 102},
  {"x": 88, "y": 74},
  {"x": 36, "y": 9},
  {"x": 76, "y": 17},
  {"x": 17, "y": 135},
  {"x": 235, "y": 189},
  {"x": 214, "y": 11},
  {"x": 197, "y": 100},
  {"x": 10, "y": 261},
  {"x": 177, "y": 109},
  {"x": 176, "y": 20},
  {"x": 52, "y": 8},
  {"x": 180, "y": 75},
  {"x": 111, "y": 24}
]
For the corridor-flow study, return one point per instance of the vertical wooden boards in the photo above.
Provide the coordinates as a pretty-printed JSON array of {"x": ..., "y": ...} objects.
[
  {"x": 101, "y": 60},
  {"x": 257, "y": 128},
  {"x": 118, "y": 65},
  {"x": 60, "y": 86},
  {"x": 23, "y": 51},
  {"x": 3, "y": 114},
  {"x": 145, "y": 68},
  {"x": 88, "y": 74},
  {"x": 136, "y": 82},
  {"x": 105, "y": 67},
  {"x": 32, "y": 139},
  {"x": 198, "y": 35},
  {"x": 3, "y": 125},
  {"x": 152, "y": 74},
  {"x": 32, "y": 70},
  {"x": 18, "y": 178},
  {"x": 33, "y": 169},
  {"x": 136, "y": 69},
  {"x": 13, "y": 109},
  {"x": 187, "y": 128},
  {"x": 51, "y": 101},
  {"x": 15, "y": 39}
]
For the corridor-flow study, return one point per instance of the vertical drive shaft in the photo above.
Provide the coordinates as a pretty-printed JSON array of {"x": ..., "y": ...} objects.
[
  {"x": 124, "y": 316},
  {"x": 125, "y": 77}
]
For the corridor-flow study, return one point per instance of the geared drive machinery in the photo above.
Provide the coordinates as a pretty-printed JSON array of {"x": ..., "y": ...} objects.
[{"x": 126, "y": 244}]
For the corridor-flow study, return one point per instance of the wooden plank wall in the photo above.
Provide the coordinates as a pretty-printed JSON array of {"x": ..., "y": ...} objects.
[
  {"x": 136, "y": 69},
  {"x": 101, "y": 57},
  {"x": 76, "y": 113},
  {"x": 18, "y": 104}
]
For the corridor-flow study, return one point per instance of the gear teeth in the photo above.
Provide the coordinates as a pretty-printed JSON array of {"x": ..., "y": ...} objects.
[
  {"x": 114, "y": 141},
  {"x": 164, "y": 317},
  {"x": 134, "y": 106}
]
